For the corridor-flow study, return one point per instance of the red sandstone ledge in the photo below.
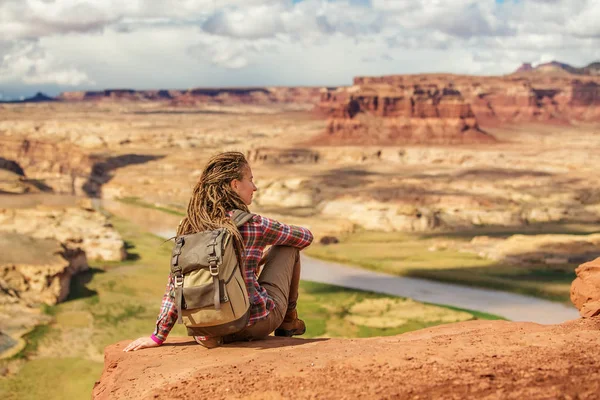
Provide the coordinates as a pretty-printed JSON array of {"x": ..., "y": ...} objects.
[{"x": 475, "y": 359}]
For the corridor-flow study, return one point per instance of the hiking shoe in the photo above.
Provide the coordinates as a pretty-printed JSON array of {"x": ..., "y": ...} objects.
[
  {"x": 291, "y": 325},
  {"x": 210, "y": 343}
]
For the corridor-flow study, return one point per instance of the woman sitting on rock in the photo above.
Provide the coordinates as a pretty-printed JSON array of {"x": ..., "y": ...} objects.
[{"x": 226, "y": 185}]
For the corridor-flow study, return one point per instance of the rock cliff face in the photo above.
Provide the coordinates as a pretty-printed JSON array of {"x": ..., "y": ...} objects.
[
  {"x": 372, "y": 113},
  {"x": 34, "y": 271},
  {"x": 63, "y": 165},
  {"x": 119, "y": 94},
  {"x": 16, "y": 184},
  {"x": 41, "y": 250},
  {"x": 476, "y": 359},
  {"x": 37, "y": 155},
  {"x": 258, "y": 95},
  {"x": 508, "y": 99},
  {"x": 76, "y": 228}
]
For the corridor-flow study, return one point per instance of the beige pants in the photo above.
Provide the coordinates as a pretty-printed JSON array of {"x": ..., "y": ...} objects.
[{"x": 280, "y": 277}]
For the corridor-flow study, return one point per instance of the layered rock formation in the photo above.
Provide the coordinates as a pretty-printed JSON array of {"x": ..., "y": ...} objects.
[
  {"x": 119, "y": 94},
  {"x": 41, "y": 250},
  {"x": 73, "y": 227},
  {"x": 65, "y": 166},
  {"x": 45, "y": 155},
  {"x": 476, "y": 359},
  {"x": 13, "y": 183},
  {"x": 257, "y": 95},
  {"x": 380, "y": 113},
  {"x": 34, "y": 271},
  {"x": 496, "y": 99}
]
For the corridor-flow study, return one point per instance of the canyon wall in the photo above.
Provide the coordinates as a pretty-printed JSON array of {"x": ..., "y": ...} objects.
[
  {"x": 449, "y": 109},
  {"x": 512, "y": 98},
  {"x": 383, "y": 113},
  {"x": 63, "y": 167},
  {"x": 255, "y": 95},
  {"x": 42, "y": 249},
  {"x": 34, "y": 271},
  {"x": 33, "y": 155}
]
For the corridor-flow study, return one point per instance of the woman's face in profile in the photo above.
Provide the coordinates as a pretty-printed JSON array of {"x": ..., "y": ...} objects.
[{"x": 245, "y": 188}]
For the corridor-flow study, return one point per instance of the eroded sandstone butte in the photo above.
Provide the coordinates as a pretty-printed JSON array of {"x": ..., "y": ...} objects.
[
  {"x": 383, "y": 113},
  {"x": 475, "y": 359},
  {"x": 514, "y": 98},
  {"x": 449, "y": 109}
]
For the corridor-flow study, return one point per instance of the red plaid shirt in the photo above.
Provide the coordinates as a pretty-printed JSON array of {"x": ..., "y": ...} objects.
[{"x": 257, "y": 233}]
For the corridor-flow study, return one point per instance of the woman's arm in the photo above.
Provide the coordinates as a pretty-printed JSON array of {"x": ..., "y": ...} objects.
[
  {"x": 168, "y": 314},
  {"x": 164, "y": 323},
  {"x": 277, "y": 233}
]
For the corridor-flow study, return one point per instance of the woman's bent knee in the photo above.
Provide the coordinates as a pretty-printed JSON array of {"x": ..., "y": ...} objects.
[{"x": 283, "y": 252}]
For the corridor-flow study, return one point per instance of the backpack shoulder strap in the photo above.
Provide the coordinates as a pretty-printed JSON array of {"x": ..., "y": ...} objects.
[{"x": 240, "y": 217}]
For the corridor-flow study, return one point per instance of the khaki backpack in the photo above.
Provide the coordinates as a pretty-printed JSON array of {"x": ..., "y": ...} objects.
[{"x": 210, "y": 293}]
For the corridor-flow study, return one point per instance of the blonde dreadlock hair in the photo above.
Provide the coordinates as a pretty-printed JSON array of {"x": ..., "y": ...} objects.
[{"x": 213, "y": 197}]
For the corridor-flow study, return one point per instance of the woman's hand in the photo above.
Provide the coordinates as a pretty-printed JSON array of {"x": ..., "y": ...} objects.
[{"x": 141, "y": 343}]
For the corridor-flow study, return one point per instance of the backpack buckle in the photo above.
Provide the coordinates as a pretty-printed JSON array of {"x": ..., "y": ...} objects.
[
  {"x": 179, "y": 281},
  {"x": 213, "y": 266}
]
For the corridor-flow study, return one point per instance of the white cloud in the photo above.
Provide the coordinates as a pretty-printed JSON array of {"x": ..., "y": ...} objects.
[
  {"x": 159, "y": 43},
  {"x": 31, "y": 64},
  {"x": 30, "y": 19},
  {"x": 305, "y": 18},
  {"x": 587, "y": 22},
  {"x": 250, "y": 23},
  {"x": 239, "y": 35},
  {"x": 232, "y": 54}
]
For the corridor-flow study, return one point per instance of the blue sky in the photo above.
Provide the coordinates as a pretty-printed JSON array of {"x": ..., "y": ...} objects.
[{"x": 60, "y": 45}]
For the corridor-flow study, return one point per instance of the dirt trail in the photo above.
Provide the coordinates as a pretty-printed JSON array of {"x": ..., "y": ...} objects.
[{"x": 475, "y": 359}]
